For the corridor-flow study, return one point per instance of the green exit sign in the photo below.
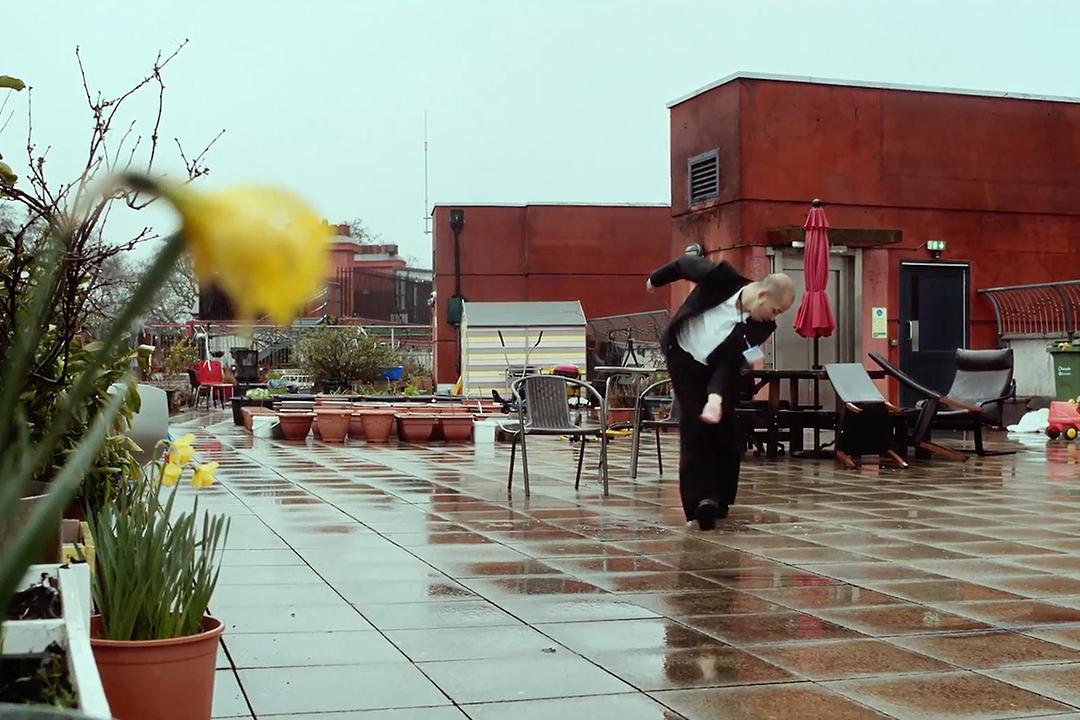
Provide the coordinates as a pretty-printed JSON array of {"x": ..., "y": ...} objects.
[{"x": 935, "y": 245}]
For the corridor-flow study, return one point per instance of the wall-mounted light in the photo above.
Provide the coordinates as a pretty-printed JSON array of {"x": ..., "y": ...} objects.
[
  {"x": 936, "y": 248},
  {"x": 457, "y": 220}
]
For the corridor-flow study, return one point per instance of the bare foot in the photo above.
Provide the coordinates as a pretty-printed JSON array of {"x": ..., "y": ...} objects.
[
  {"x": 693, "y": 525},
  {"x": 712, "y": 411}
]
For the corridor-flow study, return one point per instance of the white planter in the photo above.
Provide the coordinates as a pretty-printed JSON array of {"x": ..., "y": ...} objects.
[{"x": 72, "y": 632}]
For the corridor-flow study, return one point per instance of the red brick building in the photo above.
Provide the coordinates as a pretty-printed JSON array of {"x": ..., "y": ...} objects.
[
  {"x": 993, "y": 176},
  {"x": 598, "y": 254}
]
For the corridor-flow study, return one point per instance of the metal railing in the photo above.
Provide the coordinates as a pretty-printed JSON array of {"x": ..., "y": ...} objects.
[
  {"x": 1043, "y": 310},
  {"x": 275, "y": 344}
]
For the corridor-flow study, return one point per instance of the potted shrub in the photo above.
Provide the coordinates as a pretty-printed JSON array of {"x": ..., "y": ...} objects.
[
  {"x": 155, "y": 644},
  {"x": 175, "y": 380},
  {"x": 337, "y": 357}
]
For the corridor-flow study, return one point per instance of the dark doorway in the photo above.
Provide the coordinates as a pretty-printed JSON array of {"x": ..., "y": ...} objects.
[{"x": 933, "y": 323}]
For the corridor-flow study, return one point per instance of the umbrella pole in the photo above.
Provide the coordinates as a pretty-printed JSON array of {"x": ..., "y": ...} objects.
[
  {"x": 817, "y": 396},
  {"x": 817, "y": 452}
]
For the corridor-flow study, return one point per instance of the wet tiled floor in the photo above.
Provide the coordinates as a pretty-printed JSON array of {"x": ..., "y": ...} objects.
[{"x": 400, "y": 582}]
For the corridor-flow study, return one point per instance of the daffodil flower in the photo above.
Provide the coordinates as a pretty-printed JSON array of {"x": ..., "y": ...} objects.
[
  {"x": 181, "y": 450},
  {"x": 264, "y": 247},
  {"x": 170, "y": 474},
  {"x": 204, "y": 475}
]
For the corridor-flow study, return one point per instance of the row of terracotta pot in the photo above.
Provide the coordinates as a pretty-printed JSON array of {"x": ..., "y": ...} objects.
[{"x": 376, "y": 426}]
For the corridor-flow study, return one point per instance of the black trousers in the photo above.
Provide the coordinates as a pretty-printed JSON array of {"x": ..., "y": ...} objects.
[{"x": 709, "y": 455}]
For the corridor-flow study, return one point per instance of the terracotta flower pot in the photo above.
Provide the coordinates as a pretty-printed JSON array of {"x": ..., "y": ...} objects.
[
  {"x": 161, "y": 679},
  {"x": 620, "y": 414},
  {"x": 333, "y": 423},
  {"x": 356, "y": 426},
  {"x": 456, "y": 427},
  {"x": 377, "y": 425},
  {"x": 295, "y": 425},
  {"x": 416, "y": 428}
]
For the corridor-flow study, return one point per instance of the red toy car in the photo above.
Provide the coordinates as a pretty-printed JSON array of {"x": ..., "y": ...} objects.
[{"x": 1064, "y": 420}]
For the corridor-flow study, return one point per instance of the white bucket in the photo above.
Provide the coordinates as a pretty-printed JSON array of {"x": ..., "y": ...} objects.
[
  {"x": 262, "y": 426},
  {"x": 484, "y": 432}
]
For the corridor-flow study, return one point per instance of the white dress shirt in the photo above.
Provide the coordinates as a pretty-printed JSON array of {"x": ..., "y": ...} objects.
[{"x": 703, "y": 333}]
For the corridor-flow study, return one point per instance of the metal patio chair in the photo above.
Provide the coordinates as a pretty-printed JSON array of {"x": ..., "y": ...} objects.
[{"x": 543, "y": 403}]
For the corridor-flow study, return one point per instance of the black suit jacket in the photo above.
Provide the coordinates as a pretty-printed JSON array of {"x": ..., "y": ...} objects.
[{"x": 716, "y": 282}]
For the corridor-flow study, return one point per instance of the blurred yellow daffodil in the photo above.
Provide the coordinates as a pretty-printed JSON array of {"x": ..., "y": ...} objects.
[
  {"x": 264, "y": 247},
  {"x": 170, "y": 474},
  {"x": 204, "y": 475},
  {"x": 182, "y": 450}
]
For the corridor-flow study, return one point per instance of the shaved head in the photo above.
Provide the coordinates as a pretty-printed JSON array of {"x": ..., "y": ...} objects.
[
  {"x": 769, "y": 297},
  {"x": 780, "y": 287}
]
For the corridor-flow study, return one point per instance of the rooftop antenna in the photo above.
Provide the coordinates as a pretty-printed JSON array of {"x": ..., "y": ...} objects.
[{"x": 427, "y": 207}]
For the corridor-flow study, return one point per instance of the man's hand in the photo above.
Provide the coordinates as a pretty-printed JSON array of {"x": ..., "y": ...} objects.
[
  {"x": 713, "y": 410},
  {"x": 649, "y": 287}
]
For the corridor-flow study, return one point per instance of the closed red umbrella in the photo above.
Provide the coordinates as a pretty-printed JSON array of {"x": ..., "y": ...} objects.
[{"x": 814, "y": 318}]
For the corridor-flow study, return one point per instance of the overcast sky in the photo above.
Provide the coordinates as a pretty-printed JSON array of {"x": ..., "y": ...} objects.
[{"x": 527, "y": 101}]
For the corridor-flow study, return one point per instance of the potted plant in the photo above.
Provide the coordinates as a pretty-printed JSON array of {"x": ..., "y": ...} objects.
[
  {"x": 337, "y": 357},
  {"x": 235, "y": 237},
  {"x": 154, "y": 642},
  {"x": 175, "y": 380}
]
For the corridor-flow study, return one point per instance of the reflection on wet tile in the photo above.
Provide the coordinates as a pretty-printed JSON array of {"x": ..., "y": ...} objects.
[
  {"x": 1060, "y": 682},
  {"x": 309, "y": 649},
  {"x": 284, "y": 619},
  {"x": 270, "y": 595},
  {"x": 897, "y": 619},
  {"x": 989, "y": 649},
  {"x": 795, "y": 700},
  {"x": 825, "y": 596},
  {"x": 575, "y": 608},
  {"x": 932, "y": 591},
  {"x": 770, "y": 627},
  {"x": 722, "y": 601},
  {"x": 846, "y": 659},
  {"x": 601, "y": 707},
  {"x": 542, "y": 675},
  {"x": 811, "y": 560},
  {"x": 344, "y": 687},
  {"x": 1038, "y": 587},
  {"x": 469, "y": 643},
  {"x": 1015, "y": 613},
  {"x": 707, "y": 666},
  {"x": 588, "y": 638},
  {"x": 946, "y": 696},
  {"x": 403, "y": 591},
  {"x": 419, "y": 616}
]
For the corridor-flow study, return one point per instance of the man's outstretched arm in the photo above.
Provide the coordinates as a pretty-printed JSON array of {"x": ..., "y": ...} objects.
[{"x": 686, "y": 267}]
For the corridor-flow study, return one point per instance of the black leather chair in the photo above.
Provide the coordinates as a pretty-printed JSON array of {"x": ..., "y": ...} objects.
[
  {"x": 866, "y": 422},
  {"x": 982, "y": 384}
]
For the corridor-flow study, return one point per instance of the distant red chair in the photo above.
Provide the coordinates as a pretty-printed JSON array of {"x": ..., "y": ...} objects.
[{"x": 211, "y": 375}]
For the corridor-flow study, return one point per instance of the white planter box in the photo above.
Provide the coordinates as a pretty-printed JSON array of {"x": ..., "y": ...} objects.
[{"x": 72, "y": 632}]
